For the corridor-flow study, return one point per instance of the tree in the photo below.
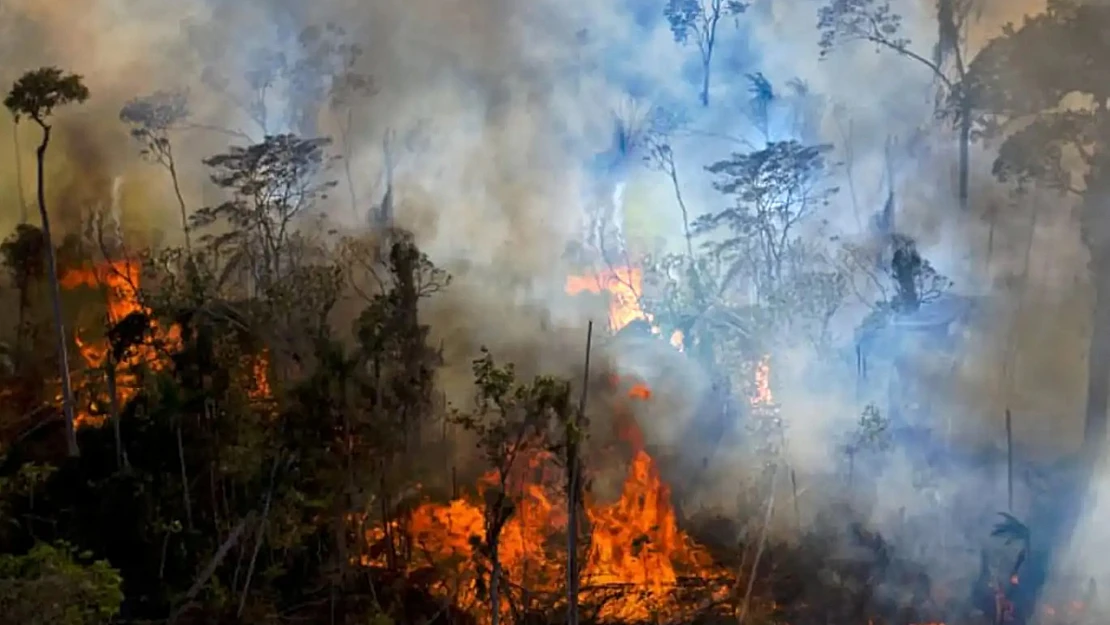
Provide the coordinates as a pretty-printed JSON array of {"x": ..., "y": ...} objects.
[
  {"x": 512, "y": 422},
  {"x": 152, "y": 119},
  {"x": 302, "y": 76},
  {"x": 697, "y": 20},
  {"x": 875, "y": 22},
  {"x": 1019, "y": 82},
  {"x": 272, "y": 184},
  {"x": 32, "y": 587},
  {"x": 774, "y": 190},
  {"x": 35, "y": 95},
  {"x": 23, "y": 253}
]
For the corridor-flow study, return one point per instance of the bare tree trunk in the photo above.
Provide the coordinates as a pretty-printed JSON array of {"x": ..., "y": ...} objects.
[
  {"x": 180, "y": 204},
  {"x": 184, "y": 477},
  {"x": 1098, "y": 368},
  {"x": 574, "y": 488},
  {"x": 705, "y": 65},
  {"x": 68, "y": 407},
  {"x": 210, "y": 569},
  {"x": 495, "y": 579},
  {"x": 113, "y": 404},
  {"x": 768, "y": 515},
  {"x": 965, "y": 152},
  {"x": 261, "y": 536}
]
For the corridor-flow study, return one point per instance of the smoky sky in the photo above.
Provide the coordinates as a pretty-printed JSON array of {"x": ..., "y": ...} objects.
[{"x": 498, "y": 111}]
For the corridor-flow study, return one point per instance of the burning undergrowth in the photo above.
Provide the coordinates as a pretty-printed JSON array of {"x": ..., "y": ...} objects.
[{"x": 804, "y": 546}]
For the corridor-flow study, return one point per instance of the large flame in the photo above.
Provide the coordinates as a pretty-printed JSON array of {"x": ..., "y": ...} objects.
[
  {"x": 637, "y": 558},
  {"x": 119, "y": 282},
  {"x": 623, "y": 285}
]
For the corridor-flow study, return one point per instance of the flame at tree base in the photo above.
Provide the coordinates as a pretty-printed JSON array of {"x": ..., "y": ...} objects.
[{"x": 637, "y": 557}]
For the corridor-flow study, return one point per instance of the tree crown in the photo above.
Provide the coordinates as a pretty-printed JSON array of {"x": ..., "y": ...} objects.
[{"x": 38, "y": 92}]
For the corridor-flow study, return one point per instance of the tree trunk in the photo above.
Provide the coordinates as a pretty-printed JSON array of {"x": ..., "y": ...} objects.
[
  {"x": 1098, "y": 366},
  {"x": 704, "y": 96},
  {"x": 965, "y": 152},
  {"x": 494, "y": 581},
  {"x": 184, "y": 476},
  {"x": 68, "y": 407},
  {"x": 113, "y": 404}
]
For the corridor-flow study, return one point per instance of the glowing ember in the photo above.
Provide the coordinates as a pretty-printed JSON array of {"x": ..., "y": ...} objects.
[{"x": 762, "y": 395}]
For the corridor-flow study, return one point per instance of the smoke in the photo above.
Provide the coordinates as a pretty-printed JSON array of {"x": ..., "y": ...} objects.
[{"x": 498, "y": 108}]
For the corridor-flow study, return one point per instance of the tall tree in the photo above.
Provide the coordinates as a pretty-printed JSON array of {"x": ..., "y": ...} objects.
[
  {"x": 151, "y": 120},
  {"x": 875, "y": 22},
  {"x": 272, "y": 184},
  {"x": 35, "y": 95},
  {"x": 696, "y": 21},
  {"x": 774, "y": 191},
  {"x": 1019, "y": 82}
]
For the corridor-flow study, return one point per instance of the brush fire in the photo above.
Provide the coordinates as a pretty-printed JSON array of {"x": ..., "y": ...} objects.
[
  {"x": 639, "y": 564},
  {"x": 636, "y": 563},
  {"x": 119, "y": 362},
  {"x": 638, "y": 560}
]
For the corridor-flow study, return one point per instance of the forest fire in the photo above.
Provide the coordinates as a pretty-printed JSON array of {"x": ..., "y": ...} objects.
[
  {"x": 637, "y": 555},
  {"x": 623, "y": 285},
  {"x": 119, "y": 282},
  {"x": 637, "y": 558},
  {"x": 624, "y": 288}
]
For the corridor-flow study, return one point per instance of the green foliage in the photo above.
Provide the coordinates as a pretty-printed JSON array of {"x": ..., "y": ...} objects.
[
  {"x": 57, "y": 585},
  {"x": 915, "y": 280},
  {"x": 273, "y": 184},
  {"x": 38, "y": 92},
  {"x": 1021, "y": 79},
  {"x": 871, "y": 433},
  {"x": 270, "y": 181},
  {"x": 510, "y": 417},
  {"x": 757, "y": 240}
]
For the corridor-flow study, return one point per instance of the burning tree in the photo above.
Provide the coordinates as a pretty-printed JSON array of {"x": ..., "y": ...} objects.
[{"x": 512, "y": 422}]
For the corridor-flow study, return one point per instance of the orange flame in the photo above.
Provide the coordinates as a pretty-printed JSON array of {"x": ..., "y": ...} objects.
[
  {"x": 119, "y": 281},
  {"x": 624, "y": 286},
  {"x": 763, "y": 395},
  {"x": 635, "y": 542},
  {"x": 635, "y": 545}
]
